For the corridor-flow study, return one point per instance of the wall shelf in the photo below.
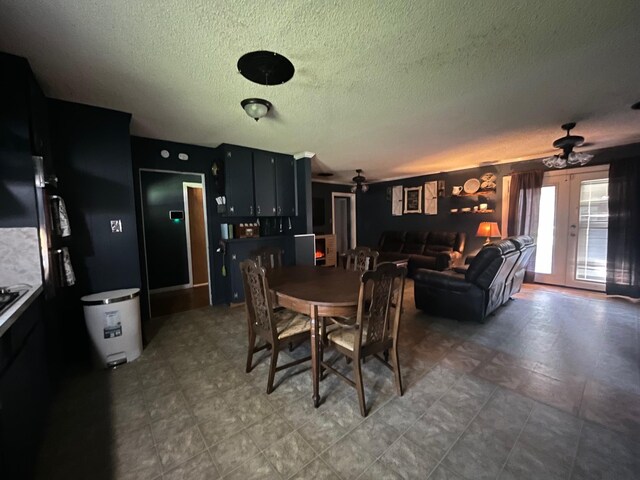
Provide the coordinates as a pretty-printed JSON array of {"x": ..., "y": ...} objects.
[{"x": 472, "y": 212}]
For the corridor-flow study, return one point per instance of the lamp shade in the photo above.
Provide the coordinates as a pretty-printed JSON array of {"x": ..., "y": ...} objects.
[{"x": 488, "y": 229}]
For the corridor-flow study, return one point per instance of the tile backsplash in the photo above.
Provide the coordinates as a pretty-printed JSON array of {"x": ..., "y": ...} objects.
[{"x": 19, "y": 256}]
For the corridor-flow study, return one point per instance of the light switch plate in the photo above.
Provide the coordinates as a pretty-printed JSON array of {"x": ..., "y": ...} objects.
[{"x": 116, "y": 226}]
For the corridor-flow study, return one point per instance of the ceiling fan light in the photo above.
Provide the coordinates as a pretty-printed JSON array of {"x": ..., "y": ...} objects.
[
  {"x": 575, "y": 158},
  {"x": 365, "y": 188},
  {"x": 256, "y": 108},
  {"x": 354, "y": 188}
]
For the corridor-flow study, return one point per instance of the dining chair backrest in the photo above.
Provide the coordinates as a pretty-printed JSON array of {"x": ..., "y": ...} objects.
[
  {"x": 258, "y": 300},
  {"x": 377, "y": 291},
  {"x": 267, "y": 257},
  {"x": 361, "y": 259}
]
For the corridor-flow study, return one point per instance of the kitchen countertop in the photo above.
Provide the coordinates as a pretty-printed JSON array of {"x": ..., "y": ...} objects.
[{"x": 8, "y": 318}]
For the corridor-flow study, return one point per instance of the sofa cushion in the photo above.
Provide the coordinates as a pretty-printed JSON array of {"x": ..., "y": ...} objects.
[
  {"x": 437, "y": 249},
  {"x": 414, "y": 242},
  {"x": 392, "y": 241},
  {"x": 447, "y": 239},
  {"x": 483, "y": 268},
  {"x": 392, "y": 257}
]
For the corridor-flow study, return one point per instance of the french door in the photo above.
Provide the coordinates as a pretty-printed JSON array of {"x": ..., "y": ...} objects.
[{"x": 572, "y": 230}]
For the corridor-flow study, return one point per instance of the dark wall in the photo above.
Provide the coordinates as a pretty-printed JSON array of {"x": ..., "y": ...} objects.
[
  {"x": 321, "y": 193},
  {"x": 146, "y": 155},
  {"x": 374, "y": 207},
  {"x": 17, "y": 192},
  {"x": 165, "y": 240},
  {"x": 93, "y": 159}
]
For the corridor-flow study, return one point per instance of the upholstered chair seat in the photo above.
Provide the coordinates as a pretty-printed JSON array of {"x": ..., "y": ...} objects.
[{"x": 289, "y": 323}]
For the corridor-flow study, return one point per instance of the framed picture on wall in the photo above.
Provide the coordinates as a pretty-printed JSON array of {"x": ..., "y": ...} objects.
[
  {"x": 431, "y": 198},
  {"x": 413, "y": 200}
]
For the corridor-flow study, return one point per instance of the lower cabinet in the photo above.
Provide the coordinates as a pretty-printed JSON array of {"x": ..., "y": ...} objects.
[
  {"x": 25, "y": 392},
  {"x": 239, "y": 249}
]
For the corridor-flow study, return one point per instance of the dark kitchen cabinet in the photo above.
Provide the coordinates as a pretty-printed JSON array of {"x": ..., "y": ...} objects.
[
  {"x": 259, "y": 183},
  {"x": 285, "y": 186},
  {"x": 264, "y": 180},
  {"x": 238, "y": 172}
]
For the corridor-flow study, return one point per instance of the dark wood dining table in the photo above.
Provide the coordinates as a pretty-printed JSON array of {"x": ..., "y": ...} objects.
[{"x": 318, "y": 292}]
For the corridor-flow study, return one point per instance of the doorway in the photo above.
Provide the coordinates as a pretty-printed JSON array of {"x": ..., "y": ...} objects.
[
  {"x": 344, "y": 220},
  {"x": 573, "y": 228},
  {"x": 175, "y": 240}
]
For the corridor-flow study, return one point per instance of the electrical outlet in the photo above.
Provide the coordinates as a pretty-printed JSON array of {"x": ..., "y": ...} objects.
[{"x": 116, "y": 226}]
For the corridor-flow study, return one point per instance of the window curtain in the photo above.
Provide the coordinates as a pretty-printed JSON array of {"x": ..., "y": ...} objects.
[
  {"x": 524, "y": 206},
  {"x": 623, "y": 249}
]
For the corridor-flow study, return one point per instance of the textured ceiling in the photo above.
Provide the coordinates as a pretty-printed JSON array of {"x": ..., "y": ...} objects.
[{"x": 395, "y": 87}]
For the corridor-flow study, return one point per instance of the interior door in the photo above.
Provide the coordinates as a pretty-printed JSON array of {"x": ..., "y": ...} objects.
[
  {"x": 572, "y": 231},
  {"x": 197, "y": 237}
]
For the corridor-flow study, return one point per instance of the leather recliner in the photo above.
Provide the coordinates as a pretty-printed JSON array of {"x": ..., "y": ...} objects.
[
  {"x": 469, "y": 293},
  {"x": 526, "y": 246}
]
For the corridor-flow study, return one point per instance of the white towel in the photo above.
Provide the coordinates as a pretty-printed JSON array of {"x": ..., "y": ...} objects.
[
  {"x": 69, "y": 276},
  {"x": 65, "y": 228}
]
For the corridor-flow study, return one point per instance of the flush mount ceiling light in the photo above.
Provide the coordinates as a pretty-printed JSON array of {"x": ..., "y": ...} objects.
[
  {"x": 256, "y": 108},
  {"x": 359, "y": 181},
  {"x": 265, "y": 68},
  {"x": 568, "y": 157}
]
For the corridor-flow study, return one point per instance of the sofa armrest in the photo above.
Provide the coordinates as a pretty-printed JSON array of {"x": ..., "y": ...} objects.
[
  {"x": 446, "y": 260},
  {"x": 448, "y": 280},
  {"x": 469, "y": 259}
]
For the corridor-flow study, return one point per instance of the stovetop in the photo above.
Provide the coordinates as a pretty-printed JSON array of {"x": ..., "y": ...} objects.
[{"x": 7, "y": 298}]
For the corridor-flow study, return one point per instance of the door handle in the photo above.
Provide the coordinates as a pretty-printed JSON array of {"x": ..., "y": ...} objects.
[
  {"x": 258, "y": 209},
  {"x": 279, "y": 209},
  {"x": 251, "y": 209}
]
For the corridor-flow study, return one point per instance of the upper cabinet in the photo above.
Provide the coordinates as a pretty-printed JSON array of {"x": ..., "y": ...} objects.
[
  {"x": 238, "y": 172},
  {"x": 264, "y": 181},
  {"x": 259, "y": 183},
  {"x": 286, "y": 186}
]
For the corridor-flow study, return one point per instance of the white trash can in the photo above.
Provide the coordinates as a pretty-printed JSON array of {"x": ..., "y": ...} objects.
[{"x": 113, "y": 322}]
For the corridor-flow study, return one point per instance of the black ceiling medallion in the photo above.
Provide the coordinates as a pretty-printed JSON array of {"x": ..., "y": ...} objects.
[
  {"x": 266, "y": 68},
  {"x": 635, "y": 106}
]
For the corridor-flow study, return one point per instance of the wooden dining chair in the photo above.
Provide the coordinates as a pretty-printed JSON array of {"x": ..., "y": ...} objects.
[
  {"x": 361, "y": 259},
  {"x": 267, "y": 257},
  {"x": 277, "y": 329},
  {"x": 374, "y": 329}
]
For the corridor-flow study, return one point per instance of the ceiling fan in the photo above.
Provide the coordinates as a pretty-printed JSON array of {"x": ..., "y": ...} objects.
[
  {"x": 359, "y": 182},
  {"x": 568, "y": 157}
]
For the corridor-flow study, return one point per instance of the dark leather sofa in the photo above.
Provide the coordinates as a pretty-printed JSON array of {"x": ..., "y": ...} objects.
[
  {"x": 431, "y": 250},
  {"x": 476, "y": 290}
]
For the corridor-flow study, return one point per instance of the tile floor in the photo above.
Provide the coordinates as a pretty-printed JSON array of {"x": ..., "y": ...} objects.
[{"x": 548, "y": 388}]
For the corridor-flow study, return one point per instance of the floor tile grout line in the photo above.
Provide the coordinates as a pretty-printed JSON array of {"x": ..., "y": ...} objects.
[
  {"x": 491, "y": 395},
  {"x": 575, "y": 455},
  {"x": 416, "y": 420},
  {"x": 506, "y": 460}
]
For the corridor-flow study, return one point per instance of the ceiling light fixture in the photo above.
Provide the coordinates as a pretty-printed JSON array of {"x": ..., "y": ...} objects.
[
  {"x": 256, "y": 108},
  {"x": 568, "y": 157},
  {"x": 359, "y": 181}
]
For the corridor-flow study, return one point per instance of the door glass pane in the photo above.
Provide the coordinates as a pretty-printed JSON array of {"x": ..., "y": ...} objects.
[
  {"x": 591, "y": 261},
  {"x": 546, "y": 230}
]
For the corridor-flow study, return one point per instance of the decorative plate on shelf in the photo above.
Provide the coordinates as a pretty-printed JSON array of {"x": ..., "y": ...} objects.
[
  {"x": 472, "y": 185},
  {"x": 489, "y": 177},
  {"x": 488, "y": 185}
]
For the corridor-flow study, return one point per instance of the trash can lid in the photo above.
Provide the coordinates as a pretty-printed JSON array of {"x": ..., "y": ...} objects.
[{"x": 112, "y": 296}]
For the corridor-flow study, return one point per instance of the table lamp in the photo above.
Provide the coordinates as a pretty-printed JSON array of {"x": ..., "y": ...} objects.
[{"x": 488, "y": 230}]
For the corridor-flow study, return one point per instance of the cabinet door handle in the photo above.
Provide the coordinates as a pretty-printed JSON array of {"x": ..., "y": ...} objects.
[
  {"x": 231, "y": 209},
  {"x": 272, "y": 160},
  {"x": 279, "y": 210},
  {"x": 251, "y": 209},
  {"x": 258, "y": 209},
  {"x": 233, "y": 256}
]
